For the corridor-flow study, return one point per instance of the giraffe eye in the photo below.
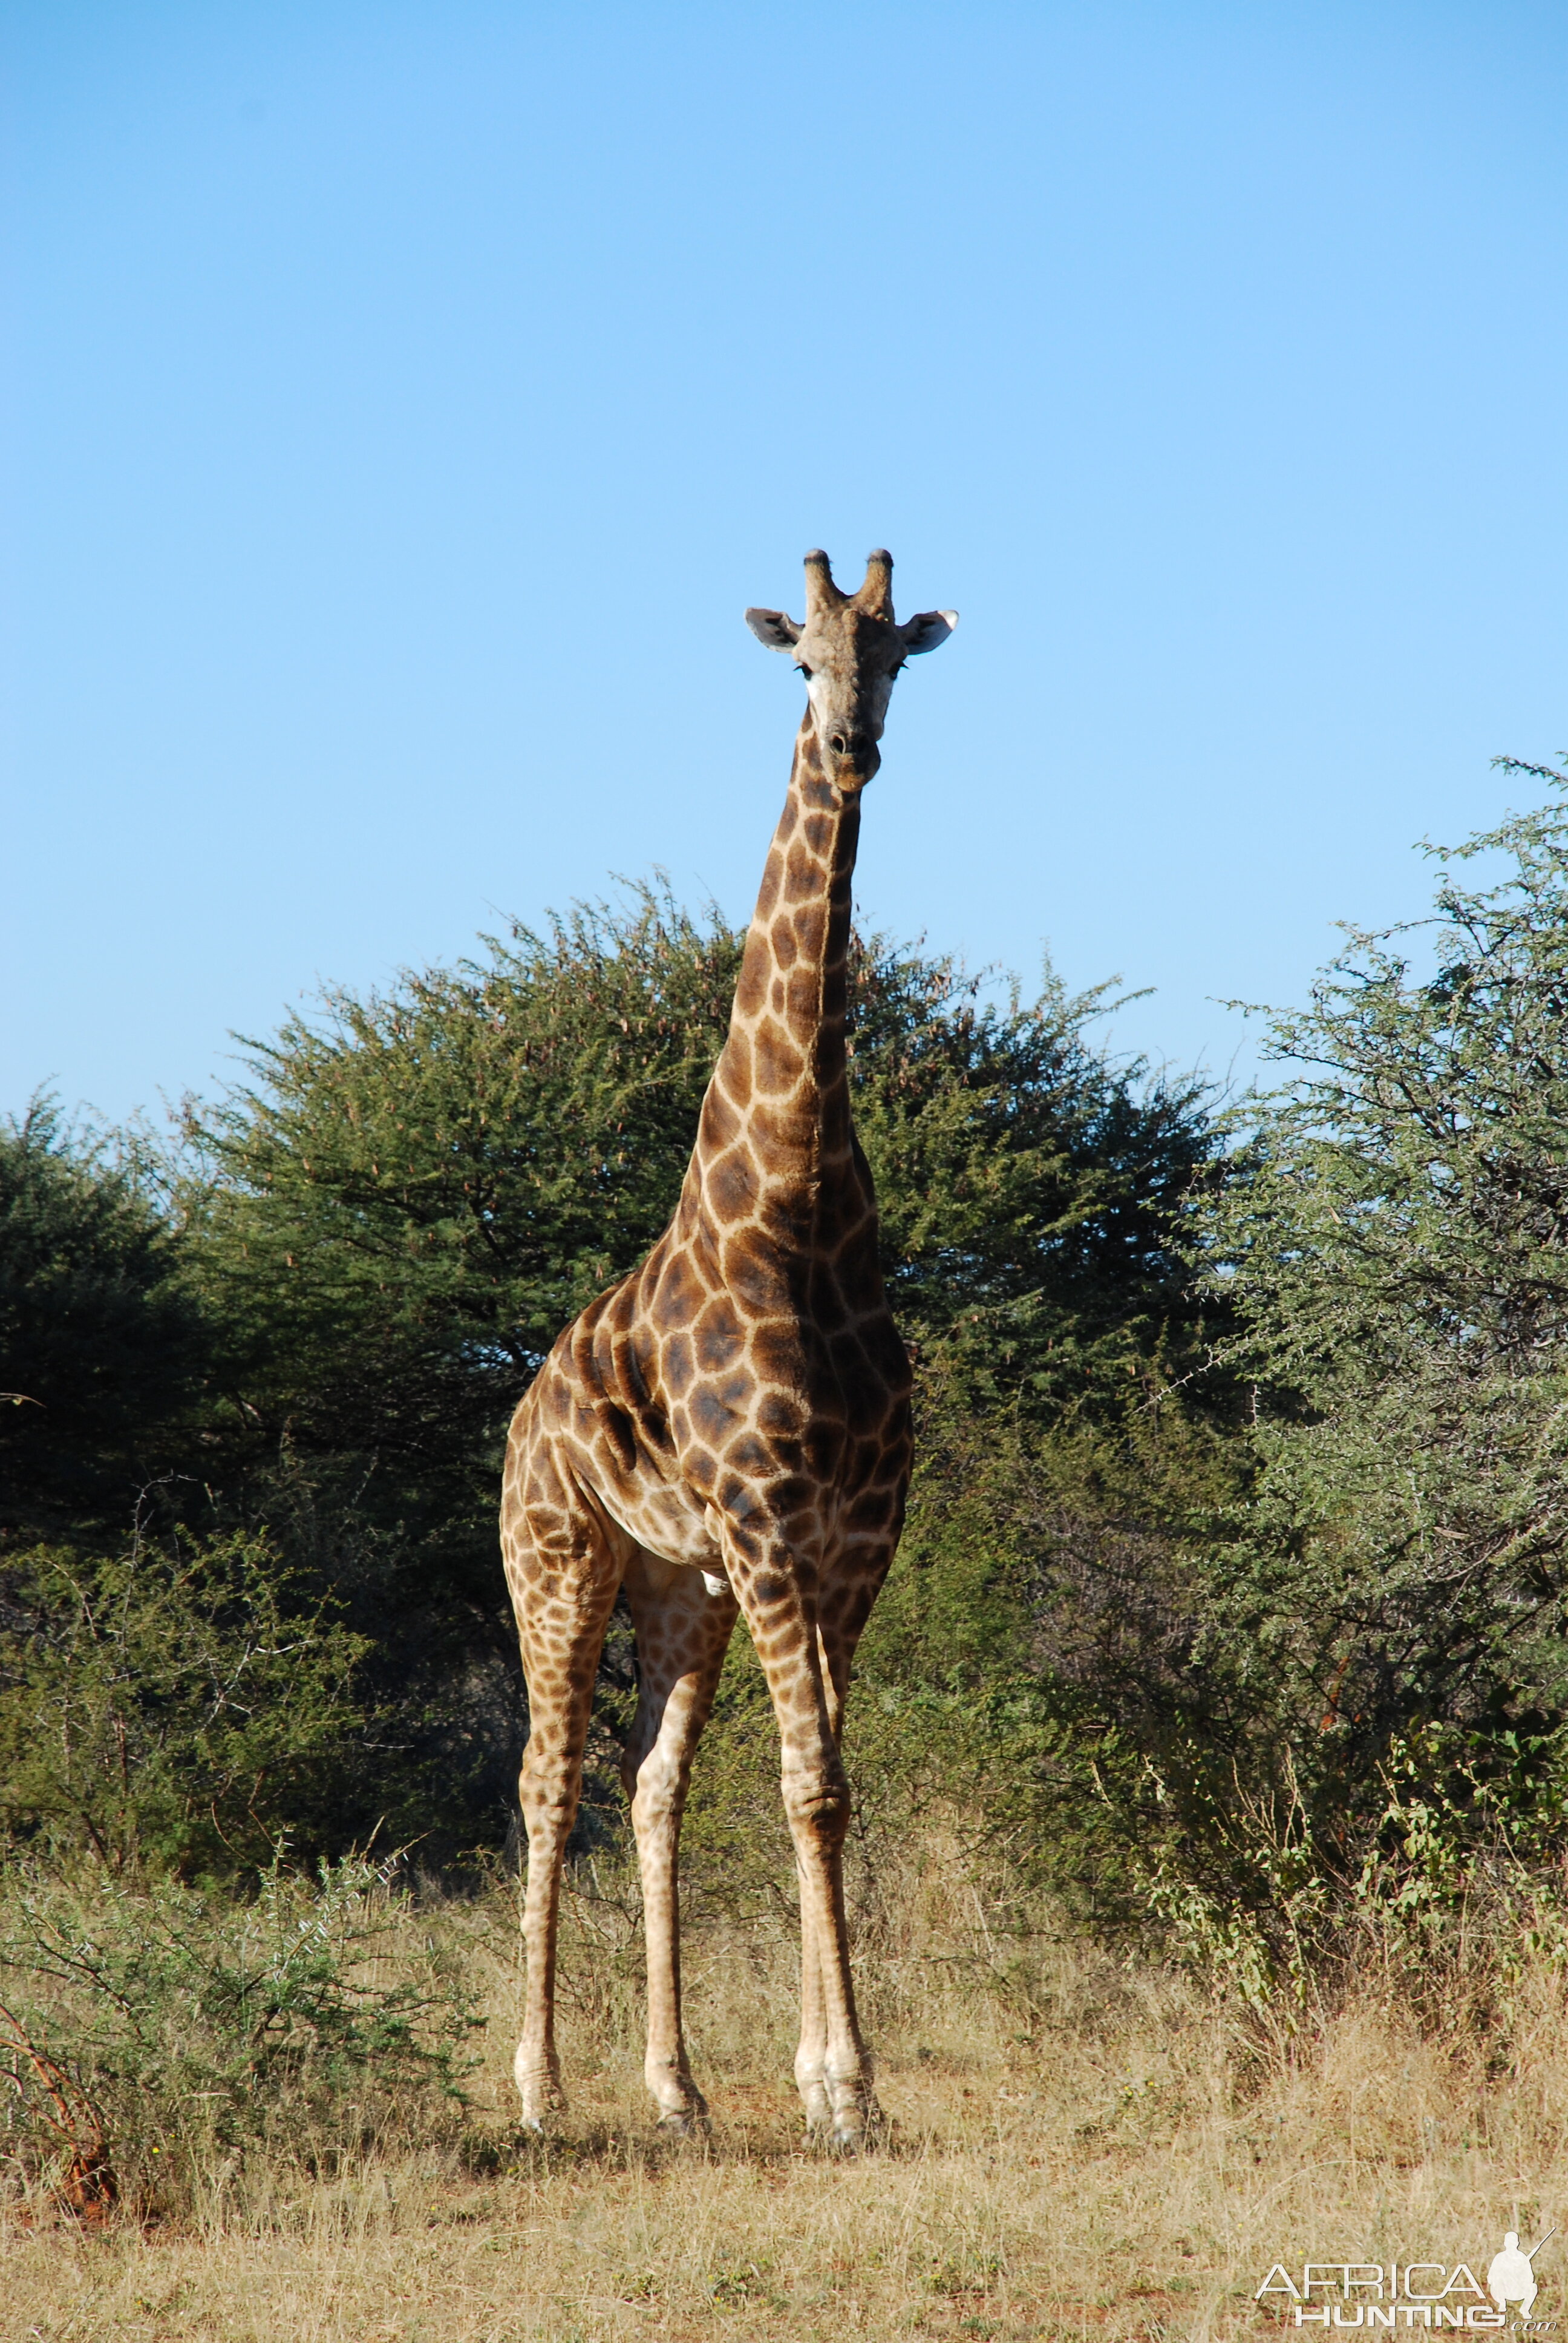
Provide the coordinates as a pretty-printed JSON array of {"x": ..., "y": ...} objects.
[{"x": 801, "y": 668}]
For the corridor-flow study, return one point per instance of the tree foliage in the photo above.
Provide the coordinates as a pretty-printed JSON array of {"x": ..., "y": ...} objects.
[
  {"x": 184, "y": 1703},
  {"x": 102, "y": 1350},
  {"x": 1033, "y": 1193},
  {"x": 1393, "y": 1245}
]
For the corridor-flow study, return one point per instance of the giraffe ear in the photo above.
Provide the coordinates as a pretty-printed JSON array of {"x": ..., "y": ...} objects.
[
  {"x": 925, "y": 631},
  {"x": 772, "y": 627}
]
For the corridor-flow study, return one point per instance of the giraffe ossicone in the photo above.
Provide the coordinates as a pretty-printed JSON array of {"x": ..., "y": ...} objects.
[{"x": 728, "y": 1428}]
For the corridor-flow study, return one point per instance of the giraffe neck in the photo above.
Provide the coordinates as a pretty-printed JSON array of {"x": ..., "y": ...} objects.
[{"x": 775, "y": 1133}]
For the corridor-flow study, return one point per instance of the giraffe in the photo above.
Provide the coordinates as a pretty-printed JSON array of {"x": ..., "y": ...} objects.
[{"x": 726, "y": 1430}]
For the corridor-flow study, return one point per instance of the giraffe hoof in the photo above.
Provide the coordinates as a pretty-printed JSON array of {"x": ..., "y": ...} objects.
[
  {"x": 539, "y": 2118},
  {"x": 856, "y": 2127},
  {"x": 834, "y": 2136},
  {"x": 819, "y": 2112},
  {"x": 682, "y": 2109}
]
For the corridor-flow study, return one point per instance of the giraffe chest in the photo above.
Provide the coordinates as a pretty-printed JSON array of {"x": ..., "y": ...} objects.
[
  {"x": 814, "y": 1491},
  {"x": 723, "y": 1413}
]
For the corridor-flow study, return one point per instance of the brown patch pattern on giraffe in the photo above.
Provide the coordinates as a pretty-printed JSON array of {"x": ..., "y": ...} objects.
[{"x": 728, "y": 1429}]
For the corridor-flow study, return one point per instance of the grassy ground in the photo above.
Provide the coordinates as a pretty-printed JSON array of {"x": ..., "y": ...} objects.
[{"x": 1075, "y": 2148}]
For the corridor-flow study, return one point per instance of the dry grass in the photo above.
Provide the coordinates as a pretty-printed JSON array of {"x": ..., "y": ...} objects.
[{"x": 1074, "y": 2148}]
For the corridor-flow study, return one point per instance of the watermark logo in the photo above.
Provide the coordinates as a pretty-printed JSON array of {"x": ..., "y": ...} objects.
[{"x": 1409, "y": 2294}]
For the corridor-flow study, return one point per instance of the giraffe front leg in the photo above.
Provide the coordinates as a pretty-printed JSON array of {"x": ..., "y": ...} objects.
[
  {"x": 563, "y": 1590},
  {"x": 839, "y": 2096},
  {"x": 832, "y": 2064},
  {"x": 811, "y": 2056},
  {"x": 548, "y": 1790},
  {"x": 833, "y": 2067},
  {"x": 550, "y": 1786},
  {"x": 683, "y": 1627}
]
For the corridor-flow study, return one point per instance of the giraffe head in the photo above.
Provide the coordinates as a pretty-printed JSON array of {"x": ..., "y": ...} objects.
[{"x": 849, "y": 650}]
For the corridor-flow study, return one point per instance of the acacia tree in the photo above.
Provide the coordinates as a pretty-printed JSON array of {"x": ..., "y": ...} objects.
[
  {"x": 1396, "y": 1246},
  {"x": 103, "y": 1350}
]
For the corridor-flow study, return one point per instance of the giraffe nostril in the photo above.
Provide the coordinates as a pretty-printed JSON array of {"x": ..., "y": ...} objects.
[{"x": 838, "y": 743}]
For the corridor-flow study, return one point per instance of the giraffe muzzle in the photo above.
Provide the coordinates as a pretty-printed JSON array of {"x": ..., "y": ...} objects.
[{"x": 855, "y": 755}]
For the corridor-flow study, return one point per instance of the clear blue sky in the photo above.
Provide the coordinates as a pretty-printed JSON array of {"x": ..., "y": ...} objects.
[{"x": 407, "y": 399}]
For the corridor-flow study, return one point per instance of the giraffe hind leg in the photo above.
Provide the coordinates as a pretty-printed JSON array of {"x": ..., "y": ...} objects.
[{"x": 683, "y": 1625}]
